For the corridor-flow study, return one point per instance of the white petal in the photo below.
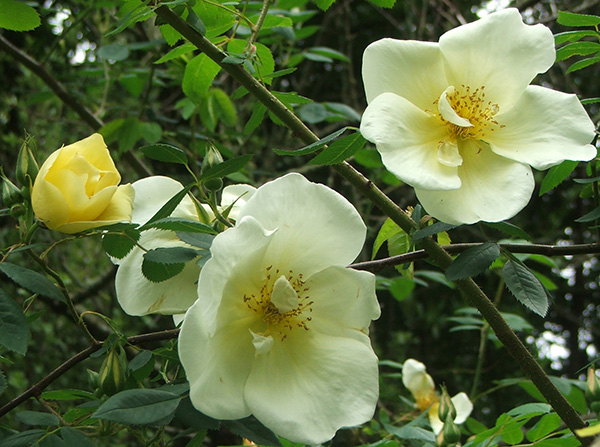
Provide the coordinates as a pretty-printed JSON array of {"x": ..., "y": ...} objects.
[
  {"x": 448, "y": 154},
  {"x": 261, "y": 343},
  {"x": 311, "y": 385},
  {"x": 138, "y": 296},
  {"x": 408, "y": 68},
  {"x": 434, "y": 420},
  {"x": 493, "y": 189},
  {"x": 499, "y": 52},
  {"x": 416, "y": 379},
  {"x": 235, "y": 268},
  {"x": 284, "y": 296},
  {"x": 344, "y": 301},
  {"x": 544, "y": 128},
  {"x": 237, "y": 195},
  {"x": 407, "y": 139},
  {"x": 448, "y": 113},
  {"x": 303, "y": 213},
  {"x": 151, "y": 193},
  {"x": 217, "y": 365},
  {"x": 463, "y": 406}
]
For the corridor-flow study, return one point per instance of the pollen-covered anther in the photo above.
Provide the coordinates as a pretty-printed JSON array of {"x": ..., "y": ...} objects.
[{"x": 466, "y": 113}]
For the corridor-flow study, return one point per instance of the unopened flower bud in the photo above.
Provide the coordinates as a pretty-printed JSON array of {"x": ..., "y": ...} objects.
[
  {"x": 212, "y": 158},
  {"x": 11, "y": 195},
  {"x": 592, "y": 391},
  {"x": 113, "y": 372},
  {"x": 451, "y": 432},
  {"x": 446, "y": 409},
  {"x": 27, "y": 167}
]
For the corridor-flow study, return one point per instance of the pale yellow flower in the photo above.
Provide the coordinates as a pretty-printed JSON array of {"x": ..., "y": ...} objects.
[
  {"x": 459, "y": 122},
  {"x": 77, "y": 188}
]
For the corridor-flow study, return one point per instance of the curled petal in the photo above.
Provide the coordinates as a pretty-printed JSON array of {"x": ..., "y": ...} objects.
[
  {"x": 493, "y": 189},
  {"x": 544, "y": 128},
  {"x": 416, "y": 380},
  {"x": 463, "y": 406},
  {"x": 408, "y": 139}
]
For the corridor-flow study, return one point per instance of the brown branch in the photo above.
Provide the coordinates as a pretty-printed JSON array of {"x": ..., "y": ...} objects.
[
  {"x": 59, "y": 90},
  {"x": 37, "y": 389},
  {"x": 534, "y": 249}
]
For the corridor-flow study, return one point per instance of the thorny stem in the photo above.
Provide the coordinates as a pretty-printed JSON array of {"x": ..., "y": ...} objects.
[
  {"x": 39, "y": 387},
  {"x": 537, "y": 249},
  {"x": 437, "y": 254}
]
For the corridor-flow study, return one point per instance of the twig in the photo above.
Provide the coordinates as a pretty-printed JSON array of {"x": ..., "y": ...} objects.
[
  {"x": 39, "y": 387},
  {"x": 260, "y": 21},
  {"x": 536, "y": 249},
  {"x": 467, "y": 287}
]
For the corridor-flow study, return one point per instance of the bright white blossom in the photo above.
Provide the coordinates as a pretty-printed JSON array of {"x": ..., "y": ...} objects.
[
  {"x": 135, "y": 293},
  {"x": 280, "y": 328},
  {"x": 422, "y": 387},
  {"x": 459, "y": 122}
]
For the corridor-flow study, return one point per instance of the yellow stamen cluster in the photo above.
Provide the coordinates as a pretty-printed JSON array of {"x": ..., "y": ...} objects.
[
  {"x": 277, "y": 322},
  {"x": 472, "y": 106}
]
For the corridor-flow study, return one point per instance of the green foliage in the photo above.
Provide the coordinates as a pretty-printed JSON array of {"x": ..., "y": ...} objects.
[
  {"x": 525, "y": 286},
  {"x": 139, "y": 407},
  {"x": 31, "y": 280},
  {"x": 473, "y": 261},
  {"x": 165, "y": 153},
  {"x": 14, "y": 329},
  {"x": 17, "y": 16}
]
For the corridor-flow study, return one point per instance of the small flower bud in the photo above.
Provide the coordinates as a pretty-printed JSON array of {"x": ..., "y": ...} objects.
[
  {"x": 213, "y": 184},
  {"x": 451, "y": 432},
  {"x": 446, "y": 409},
  {"x": 11, "y": 195},
  {"x": 212, "y": 158},
  {"x": 27, "y": 167},
  {"x": 113, "y": 372},
  {"x": 592, "y": 391}
]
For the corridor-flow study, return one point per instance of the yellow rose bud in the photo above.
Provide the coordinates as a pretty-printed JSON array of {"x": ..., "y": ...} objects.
[{"x": 77, "y": 188}]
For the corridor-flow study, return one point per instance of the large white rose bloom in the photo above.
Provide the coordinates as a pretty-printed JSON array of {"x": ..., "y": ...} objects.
[
  {"x": 135, "y": 293},
  {"x": 280, "y": 327},
  {"x": 459, "y": 122},
  {"x": 422, "y": 387}
]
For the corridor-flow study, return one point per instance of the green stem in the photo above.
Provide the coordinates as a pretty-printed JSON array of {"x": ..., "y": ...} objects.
[
  {"x": 260, "y": 21},
  {"x": 467, "y": 287}
]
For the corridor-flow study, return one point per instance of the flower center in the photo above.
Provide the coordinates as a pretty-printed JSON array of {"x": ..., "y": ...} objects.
[
  {"x": 282, "y": 302},
  {"x": 467, "y": 116},
  {"x": 425, "y": 400}
]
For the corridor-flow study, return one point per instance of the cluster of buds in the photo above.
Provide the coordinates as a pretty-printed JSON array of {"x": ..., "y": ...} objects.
[{"x": 450, "y": 434}]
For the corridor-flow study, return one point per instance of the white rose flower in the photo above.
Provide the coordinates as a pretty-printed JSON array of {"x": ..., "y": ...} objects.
[
  {"x": 422, "y": 387},
  {"x": 459, "y": 122},
  {"x": 135, "y": 293},
  {"x": 280, "y": 327}
]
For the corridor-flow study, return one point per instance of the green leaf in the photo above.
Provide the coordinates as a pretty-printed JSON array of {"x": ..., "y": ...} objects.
[
  {"x": 258, "y": 114},
  {"x": 430, "y": 230},
  {"x": 590, "y": 101},
  {"x": 139, "y": 407},
  {"x": 198, "y": 77},
  {"x": 177, "y": 52},
  {"x": 165, "y": 153},
  {"x": 75, "y": 438},
  {"x": 328, "y": 53},
  {"x": 119, "y": 245},
  {"x": 114, "y": 52},
  {"x": 573, "y": 36},
  {"x": 556, "y": 175},
  {"x": 23, "y": 439},
  {"x": 67, "y": 395},
  {"x": 512, "y": 433},
  {"x": 33, "y": 281},
  {"x": 529, "y": 410},
  {"x": 17, "y": 16},
  {"x": 324, "y": 4},
  {"x": 383, "y": 3},
  {"x": 411, "y": 432},
  {"x": 196, "y": 22},
  {"x": 132, "y": 11},
  {"x": 401, "y": 288},
  {"x": 170, "y": 255},
  {"x": 577, "y": 48},
  {"x": 546, "y": 425},
  {"x": 526, "y": 288},
  {"x": 227, "y": 167},
  {"x": 190, "y": 417},
  {"x": 167, "y": 208},
  {"x": 200, "y": 240},
  {"x": 2, "y": 383},
  {"x": 473, "y": 261},
  {"x": 508, "y": 228},
  {"x": 312, "y": 147},
  {"x": 583, "y": 64},
  {"x": 183, "y": 225},
  {"x": 159, "y": 272},
  {"x": 37, "y": 418},
  {"x": 251, "y": 429},
  {"x": 151, "y": 132},
  {"x": 387, "y": 230},
  {"x": 340, "y": 150},
  {"x": 573, "y": 19},
  {"x": 591, "y": 216},
  {"x": 14, "y": 329}
]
